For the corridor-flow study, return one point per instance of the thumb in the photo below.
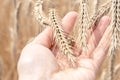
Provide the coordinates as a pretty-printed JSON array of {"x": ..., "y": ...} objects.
[{"x": 36, "y": 63}]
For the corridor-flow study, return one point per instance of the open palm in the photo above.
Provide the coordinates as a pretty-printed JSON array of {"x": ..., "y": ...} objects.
[{"x": 38, "y": 62}]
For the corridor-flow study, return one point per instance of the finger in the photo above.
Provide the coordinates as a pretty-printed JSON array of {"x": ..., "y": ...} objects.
[
  {"x": 98, "y": 33},
  {"x": 69, "y": 21},
  {"x": 46, "y": 37},
  {"x": 102, "y": 48}
]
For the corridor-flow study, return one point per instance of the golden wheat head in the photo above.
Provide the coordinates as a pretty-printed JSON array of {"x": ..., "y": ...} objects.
[
  {"x": 39, "y": 14},
  {"x": 59, "y": 35},
  {"x": 115, "y": 39},
  {"x": 81, "y": 27}
]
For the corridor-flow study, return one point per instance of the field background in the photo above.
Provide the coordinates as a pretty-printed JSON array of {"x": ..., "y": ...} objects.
[{"x": 17, "y": 27}]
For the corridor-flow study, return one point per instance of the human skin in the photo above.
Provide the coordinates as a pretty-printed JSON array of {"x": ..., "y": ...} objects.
[{"x": 38, "y": 61}]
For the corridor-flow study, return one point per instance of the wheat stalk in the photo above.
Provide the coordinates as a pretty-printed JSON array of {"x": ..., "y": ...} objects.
[
  {"x": 115, "y": 36},
  {"x": 104, "y": 75},
  {"x": 14, "y": 33},
  {"x": 14, "y": 38},
  {"x": 59, "y": 35},
  {"x": 1, "y": 67}
]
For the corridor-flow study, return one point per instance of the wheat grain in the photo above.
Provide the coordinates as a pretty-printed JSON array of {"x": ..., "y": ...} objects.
[
  {"x": 59, "y": 35},
  {"x": 71, "y": 41}
]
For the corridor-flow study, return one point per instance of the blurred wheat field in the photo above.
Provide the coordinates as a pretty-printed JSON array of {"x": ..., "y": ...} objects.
[{"x": 18, "y": 26}]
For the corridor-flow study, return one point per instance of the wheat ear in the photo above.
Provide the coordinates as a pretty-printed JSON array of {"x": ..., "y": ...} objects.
[
  {"x": 83, "y": 25},
  {"x": 115, "y": 40},
  {"x": 39, "y": 14},
  {"x": 59, "y": 35},
  {"x": 102, "y": 11}
]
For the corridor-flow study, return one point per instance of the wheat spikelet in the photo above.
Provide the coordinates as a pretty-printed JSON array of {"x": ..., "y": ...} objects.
[
  {"x": 71, "y": 41},
  {"x": 39, "y": 14},
  {"x": 115, "y": 36},
  {"x": 59, "y": 35},
  {"x": 82, "y": 26},
  {"x": 102, "y": 11}
]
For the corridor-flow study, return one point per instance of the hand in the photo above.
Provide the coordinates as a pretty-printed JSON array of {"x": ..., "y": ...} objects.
[{"x": 38, "y": 62}]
